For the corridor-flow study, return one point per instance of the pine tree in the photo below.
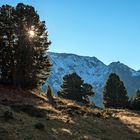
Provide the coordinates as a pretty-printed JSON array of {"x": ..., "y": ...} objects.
[
  {"x": 23, "y": 58},
  {"x": 88, "y": 92},
  {"x": 7, "y": 27},
  {"x": 73, "y": 88},
  {"x": 135, "y": 101},
  {"x": 49, "y": 94},
  {"x": 115, "y": 94}
]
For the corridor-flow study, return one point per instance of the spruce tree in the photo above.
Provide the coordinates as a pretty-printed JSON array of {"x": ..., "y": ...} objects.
[
  {"x": 74, "y": 88},
  {"x": 87, "y": 92},
  {"x": 135, "y": 101},
  {"x": 23, "y": 57},
  {"x": 49, "y": 95},
  {"x": 115, "y": 94},
  {"x": 7, "y": 27}
]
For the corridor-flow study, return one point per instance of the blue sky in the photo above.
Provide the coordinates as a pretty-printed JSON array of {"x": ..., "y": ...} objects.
[{"x": 106, "y": 29}]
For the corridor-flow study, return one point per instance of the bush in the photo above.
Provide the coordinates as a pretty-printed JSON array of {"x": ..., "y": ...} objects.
[
  {"x": 8, "y": 115},
  {"x": 39, "y": 126}
]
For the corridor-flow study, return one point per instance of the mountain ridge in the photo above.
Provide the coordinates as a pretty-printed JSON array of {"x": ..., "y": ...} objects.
[
  {"x": 92, "y": 71},
  {"x": 58, "y": 53}
]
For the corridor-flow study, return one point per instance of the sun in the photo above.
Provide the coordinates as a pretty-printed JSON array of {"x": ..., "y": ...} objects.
[{"x": 31, "y": 33}]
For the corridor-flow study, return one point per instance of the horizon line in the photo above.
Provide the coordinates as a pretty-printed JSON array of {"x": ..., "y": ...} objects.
[{"x": 67, "y": 53}]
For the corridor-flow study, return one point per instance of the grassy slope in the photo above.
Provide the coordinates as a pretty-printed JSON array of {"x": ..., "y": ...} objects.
[{"x": 62, "y": 121}]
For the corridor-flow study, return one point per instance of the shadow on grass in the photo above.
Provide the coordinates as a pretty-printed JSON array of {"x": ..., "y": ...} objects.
[
  {"x": 96, "y": 128},
  {"x": 82, "y": 127}
]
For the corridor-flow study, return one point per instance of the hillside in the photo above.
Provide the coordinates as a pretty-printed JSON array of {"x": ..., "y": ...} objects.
[
  {"x": 26, "y": 115},
  {"x": 92, "y": 71}
]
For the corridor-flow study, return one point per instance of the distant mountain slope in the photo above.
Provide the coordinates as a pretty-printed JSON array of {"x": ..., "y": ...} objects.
[
  {"x": 92, "y": 71},
  {"x": 130, "y": 77}
]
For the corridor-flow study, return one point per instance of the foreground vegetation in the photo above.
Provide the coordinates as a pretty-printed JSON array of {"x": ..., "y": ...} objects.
[{"x": 30, "y": 116}]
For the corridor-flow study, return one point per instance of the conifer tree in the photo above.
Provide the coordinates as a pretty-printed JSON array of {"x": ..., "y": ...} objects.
[
  {"x": 115, "y": 94},
  {"x": 49, "y": 94},
  {"x": 7, "y": 27},
  {"x": 23, "y": 47},
  {"x": 74, "y": 88},
  {"x": 88, "y": 92},
  {"x": 135, "y": 101}
]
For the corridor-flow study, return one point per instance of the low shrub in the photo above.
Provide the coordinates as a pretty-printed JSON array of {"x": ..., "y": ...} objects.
[
  {"x": 8, "y": 115},
  {"x": 39, "y": 126}
]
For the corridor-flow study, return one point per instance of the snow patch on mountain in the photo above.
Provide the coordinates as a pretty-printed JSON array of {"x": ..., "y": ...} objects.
[
  {"x": 90, "y": 69},
  {"x": 135, "y": 73}
]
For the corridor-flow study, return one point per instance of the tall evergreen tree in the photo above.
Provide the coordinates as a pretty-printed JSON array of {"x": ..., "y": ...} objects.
[
  {"x": 135, "y": 101},
  {"x": 74, "y": 88},
  {"x": 115, "y": 94},
  {"x": 23, "y": 48},
  {"x": 7, "y": 27}
]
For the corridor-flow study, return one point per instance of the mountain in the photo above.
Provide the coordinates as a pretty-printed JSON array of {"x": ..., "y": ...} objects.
[
  {"x": 130, "y": 77},
  {"x": 92, "y": 71}
]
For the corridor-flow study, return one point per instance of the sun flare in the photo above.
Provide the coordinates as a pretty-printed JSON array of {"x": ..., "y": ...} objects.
[{"x": 31, "y": 33}]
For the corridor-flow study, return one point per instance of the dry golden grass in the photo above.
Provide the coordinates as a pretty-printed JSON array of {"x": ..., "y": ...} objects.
[
  {"x": 64, "y": 120},
  {"x": 131, "y": 119}
]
